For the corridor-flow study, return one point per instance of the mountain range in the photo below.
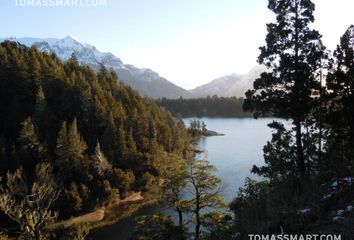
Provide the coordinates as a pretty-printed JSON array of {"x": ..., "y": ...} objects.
[
  {"x": 230, "y": 85},
  {"x": 146, "y": 81}
]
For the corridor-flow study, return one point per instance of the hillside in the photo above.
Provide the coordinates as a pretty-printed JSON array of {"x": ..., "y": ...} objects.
[
  {"x": 144, "y": 80},
  {"x": 83, "y": 132}
]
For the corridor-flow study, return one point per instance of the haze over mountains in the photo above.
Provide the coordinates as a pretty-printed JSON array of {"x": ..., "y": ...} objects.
[
  {"x": 229, "y": 85},
  {"x": 146, "y": 81}
]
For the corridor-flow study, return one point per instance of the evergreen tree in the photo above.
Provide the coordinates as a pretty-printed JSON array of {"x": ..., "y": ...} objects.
[
  {"x": 205, "y": 189},
  {"x": 100, "y": 162},
  {"x": 70, "y": 152},
  {"x": 340, "y": 83},
  {"x": 40, "y": 114},
  {"x": 109, "y": 140},
  {"x": 50, "y": 92},
  {"x": 73, "y": 58},
  {"x": 124, "y": 181},
  {"x": 279, "y": 155},
  {"x": 122, "y": 141},
  {"x": 293, "y": 53},
  {"x": 76, "y": 144},
  {"x": 31, "y": 151},
  {"x": 131, "y": 145}
]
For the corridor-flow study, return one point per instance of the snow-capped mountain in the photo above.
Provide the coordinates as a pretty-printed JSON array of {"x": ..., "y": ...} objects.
[
  {"x": 144, "y": 80},
  {"x": 229, "y": 85}
]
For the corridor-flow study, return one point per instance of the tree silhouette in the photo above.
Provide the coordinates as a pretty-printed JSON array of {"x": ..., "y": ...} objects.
[{"x": 293, "y": 53}]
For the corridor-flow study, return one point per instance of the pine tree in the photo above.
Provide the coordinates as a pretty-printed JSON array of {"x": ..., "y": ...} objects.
[
  {"x": 131, "y": 142},
  {"x": 279, "y": 155},
  {"x": 122, "y": 140},
  {"x": 340, "y": 81},
  {"x": 40, "y": 115},
  {"x": 73, "y": 58},
  {"x": 77, "y": 145},
  {"x": 152, "y": 135},
  {"x": 293, "y": 53},
  {"x": 70, "y": 152},
  {"x": 28, "y": 138},
  {"x": 100, "y": 162},
  {"x": 109, "y": 139},
  {"x": 30, "y": 149}
]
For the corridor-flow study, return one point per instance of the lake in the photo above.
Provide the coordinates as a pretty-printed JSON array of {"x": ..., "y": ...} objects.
[{"x": 233, "y": 154}]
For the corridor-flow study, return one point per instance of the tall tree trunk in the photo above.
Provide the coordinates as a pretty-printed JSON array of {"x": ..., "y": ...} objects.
[
  {"x": 308, "y": 150},
  {"x": 299, "y": 148},
  {"x": 320, "y": 130},
  {"x": 180, "y": 216},
  {"x": 298, "y": 107},
  {"x": 351, "y": 127},
  {"x": 37, "y": 234},
  {"x": 197, "y": 225}
]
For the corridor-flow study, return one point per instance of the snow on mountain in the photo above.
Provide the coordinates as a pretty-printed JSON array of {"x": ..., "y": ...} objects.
[
  {"x": 230, "y": 85},
  {"x": 144, "y": 80}
]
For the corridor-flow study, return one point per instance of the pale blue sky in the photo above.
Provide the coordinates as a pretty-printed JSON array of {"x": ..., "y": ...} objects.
[{"x": 189, "y": 42}]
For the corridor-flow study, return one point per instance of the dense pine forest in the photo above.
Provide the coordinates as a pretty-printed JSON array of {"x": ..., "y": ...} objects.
[
  {"x": 212, "y": 106},
  {"x": 73, "y": 140}
]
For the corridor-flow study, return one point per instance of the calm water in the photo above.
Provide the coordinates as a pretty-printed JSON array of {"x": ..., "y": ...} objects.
[{"x": 233, "y": 154}]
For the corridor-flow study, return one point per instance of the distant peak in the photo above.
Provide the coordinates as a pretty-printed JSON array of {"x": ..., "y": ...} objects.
[{"x": 70, "y": 38}]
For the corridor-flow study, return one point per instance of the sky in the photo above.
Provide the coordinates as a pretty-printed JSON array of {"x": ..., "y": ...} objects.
[{"x": 189, "y": 42}]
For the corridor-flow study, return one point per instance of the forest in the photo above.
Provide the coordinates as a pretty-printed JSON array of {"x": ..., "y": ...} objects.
[
  {"x": 211, "y": 106},
  {"x": 73, "y": 140},
  {"x": 306, "y": 184}
]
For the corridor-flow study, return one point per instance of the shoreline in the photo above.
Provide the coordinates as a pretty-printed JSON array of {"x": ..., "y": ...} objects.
[
  {"x": 122, "y": 209},
  {"x": 115, "y": 212}
]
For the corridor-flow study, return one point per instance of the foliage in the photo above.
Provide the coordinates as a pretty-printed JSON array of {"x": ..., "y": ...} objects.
[
  {"x": 307, "y": 166},
  {"x": 29, "y": 205},
  {"x": 175, "y": 176},
  {"x": 340, "y": 83},
  {"x": 293, "y": 52},
  {"x": 75, "y": 232},
  {"x": 190, "y": 188},
  {"x": 95, "y": 132},
  {"x": 218, "y": 225},
  {"x": 158, "y": 227},
  {"x": 211, "y": 106},
  {"x": 279, "y": 155},
  {"x": 124, "y": 181},
  {"x": 197, "y": 128}
]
